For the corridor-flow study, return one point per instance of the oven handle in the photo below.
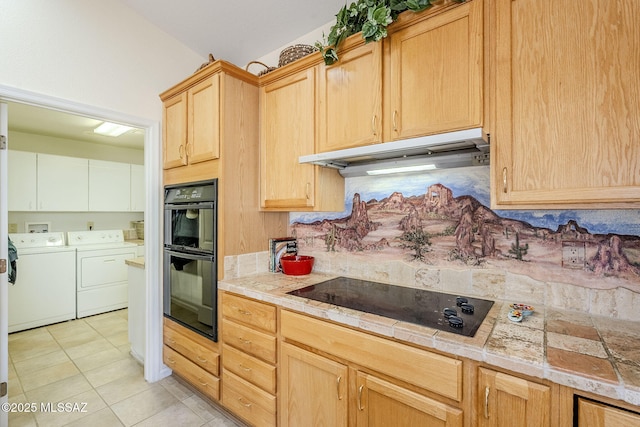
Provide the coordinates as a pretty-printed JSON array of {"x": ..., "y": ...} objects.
[
  {"x": 191, "y": 256},
  {"x": 177, "y": 206}
]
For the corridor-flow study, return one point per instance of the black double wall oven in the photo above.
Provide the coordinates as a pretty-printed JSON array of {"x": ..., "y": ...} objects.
[{"x": 190, "y": 260}]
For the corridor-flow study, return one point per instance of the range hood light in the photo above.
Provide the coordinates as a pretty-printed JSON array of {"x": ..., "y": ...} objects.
[
  {"x": 111, "y": 129},
  {"x": 409, "y": 164},
  {"x": 401, "y": 169}
]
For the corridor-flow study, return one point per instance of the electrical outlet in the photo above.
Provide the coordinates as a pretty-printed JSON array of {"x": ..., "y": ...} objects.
[
  {"x": 13, "y": 228},
  {"x": 90, "y": 225},
  {"x": 573, "y": 254}
]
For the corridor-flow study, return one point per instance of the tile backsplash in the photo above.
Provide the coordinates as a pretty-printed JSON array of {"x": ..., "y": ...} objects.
[{"x": 436, "y": 231}]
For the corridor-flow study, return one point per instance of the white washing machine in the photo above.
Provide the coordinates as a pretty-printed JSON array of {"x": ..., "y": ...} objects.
[
  {"x": 45, "y": 288},
  {"x": 101, "y": 271}
]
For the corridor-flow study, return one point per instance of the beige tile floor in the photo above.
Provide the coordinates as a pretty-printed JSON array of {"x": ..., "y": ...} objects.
[{"x": 85, "y": 364}]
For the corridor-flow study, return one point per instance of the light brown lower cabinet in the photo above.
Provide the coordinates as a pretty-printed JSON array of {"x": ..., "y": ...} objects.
[
  {"x": 313, "y": 389},
  {"x": 506, "y": 400},
  {"x": 192, "y": 357},
  {"x": 381, "y": 403},
  {"x": 204, "y": 381},
  {"x": 248, "y": 401},
  {"x": 595, "y": 414}
]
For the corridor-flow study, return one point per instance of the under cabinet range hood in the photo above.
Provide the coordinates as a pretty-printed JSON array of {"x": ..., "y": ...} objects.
[{"x": 442, "y": 151}]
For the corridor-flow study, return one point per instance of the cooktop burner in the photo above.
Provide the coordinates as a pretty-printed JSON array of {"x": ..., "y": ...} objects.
[{"x": 427, "y": 308}]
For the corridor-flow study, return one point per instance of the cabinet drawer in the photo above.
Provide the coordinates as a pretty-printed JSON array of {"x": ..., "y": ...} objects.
[
  {"x": 249, "y": 341},
  {"x": 440, "y": 374},
  {"x": 248, "y": 401},
  {"x": 249, "y": 368},
  {"x": 598, "y": 414},
  {"x": 197, "y": 353},
  {"x": 208, "y": 384},
  {"x": 252, "y": 313}
]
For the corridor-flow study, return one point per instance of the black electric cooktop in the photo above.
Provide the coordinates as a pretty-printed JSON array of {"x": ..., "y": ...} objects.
[{"x": 419, "y": 306}]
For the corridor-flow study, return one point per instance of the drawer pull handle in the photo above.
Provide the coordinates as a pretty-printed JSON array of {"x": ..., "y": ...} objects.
[
  {"x": 360, "y": 407},
  {"x": 243, "y": 341},
  {"x": 244, "y": 368},
  {"x": 374, "y": 122},
  {"x": 189, "y": 149},
  {"x": 395, "y": 122},
  {"x": 486, "y": 402},
  {"x": 338, "y": 387},
  {"x": 201, "y": 360},
  {"x": 170, "y": 360},
  {"x": 181, "y": 151},
  {"x": 203, "y": 384},
  {"x": 171, "y": 341},
  {"x": 244, "y": 312},
  {"x": 244, "y": 403}
]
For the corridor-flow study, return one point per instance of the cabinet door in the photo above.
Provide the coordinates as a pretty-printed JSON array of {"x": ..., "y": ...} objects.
[
  {"x": 566, "y": 129},
  {"x": 504, "y": 399},
  {"x": 313, "y": 389},
  {"x": 174, "y": 130},
  {"x": 109, "y": 186},
  {"x": 138, "y": 193},
  {"x": 203, "y": 132},
  {"x": 594, "y": 414},
  {"x": 287, "y": 132},
  {"x": 22, "y": 175},
  {"x": 63, "y": 183},
  {"x": 350, "y": 98},
  {"x": 381, "y": 403},
  {"x": 436, "y": 74}
]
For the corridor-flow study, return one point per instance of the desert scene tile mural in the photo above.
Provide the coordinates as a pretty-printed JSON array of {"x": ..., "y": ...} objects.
[{"x": 443, "y": 219}]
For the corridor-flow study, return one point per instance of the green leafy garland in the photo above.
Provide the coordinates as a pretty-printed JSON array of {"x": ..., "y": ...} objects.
[{"x": 369, "y": 16}]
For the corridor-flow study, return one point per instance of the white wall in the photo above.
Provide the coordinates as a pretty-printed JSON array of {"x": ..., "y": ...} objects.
[
  {"x": 271, "y": 59},
  {"x": 93, "y": 52}
]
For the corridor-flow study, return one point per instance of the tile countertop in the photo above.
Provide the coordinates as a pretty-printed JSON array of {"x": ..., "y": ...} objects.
[{"x": 589, "y": 353}]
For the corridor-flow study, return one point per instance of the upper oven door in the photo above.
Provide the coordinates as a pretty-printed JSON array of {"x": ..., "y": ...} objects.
[{"x": 190, "y": 219}]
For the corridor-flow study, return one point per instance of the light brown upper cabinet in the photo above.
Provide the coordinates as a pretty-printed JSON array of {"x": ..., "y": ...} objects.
[
  {"x": 192, "y": 124},
  {"x": 434, "y": 72},
  {"x": 350, "y": 97},
  {"x": 288, "y": 115},
  {"x": 566, "y": 131}
]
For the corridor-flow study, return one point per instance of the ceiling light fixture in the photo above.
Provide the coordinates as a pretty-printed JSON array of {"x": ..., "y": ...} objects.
[{"x": 112, "y": 129}]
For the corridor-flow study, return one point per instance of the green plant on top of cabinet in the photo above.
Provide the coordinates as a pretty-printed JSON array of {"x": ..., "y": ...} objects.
[
  {"x": 566, "y": 131},
  {"x": 425, "y": 78},
  {"x": 287, "y": 131}
]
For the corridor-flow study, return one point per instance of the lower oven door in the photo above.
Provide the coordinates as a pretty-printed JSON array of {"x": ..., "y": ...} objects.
[{"x": 190, "y": 291}]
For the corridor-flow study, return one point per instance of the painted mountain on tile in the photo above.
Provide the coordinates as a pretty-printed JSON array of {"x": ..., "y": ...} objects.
[{"x": 440, "y": 229}]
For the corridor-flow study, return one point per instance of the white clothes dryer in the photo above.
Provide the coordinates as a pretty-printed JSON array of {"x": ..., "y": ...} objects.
[
  {"x": 101, "y": 271},
  {"x": 45, "y": 288}
]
